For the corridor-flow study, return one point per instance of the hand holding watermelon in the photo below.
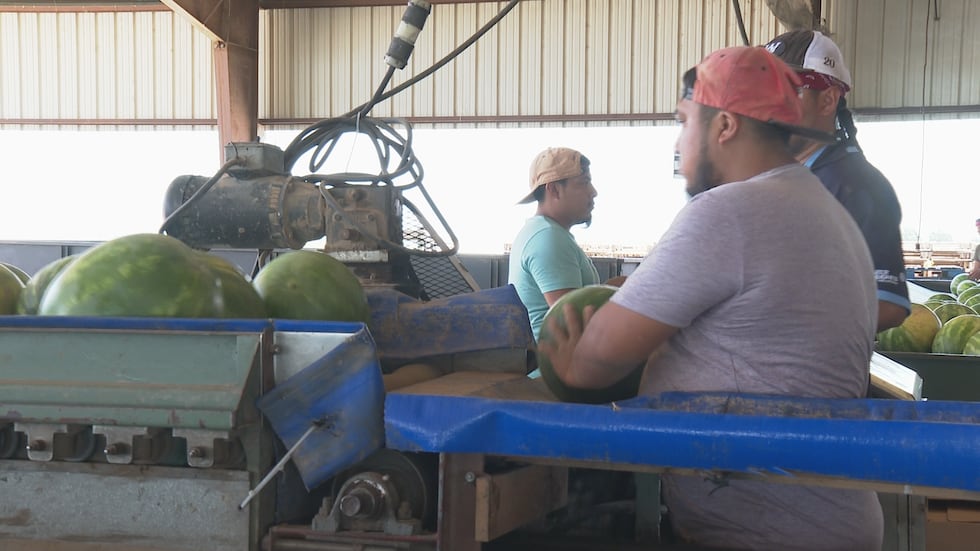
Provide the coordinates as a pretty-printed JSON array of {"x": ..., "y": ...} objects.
[
  {"x": 564, "y": 332},
  {"x": 563, "y": 327}
]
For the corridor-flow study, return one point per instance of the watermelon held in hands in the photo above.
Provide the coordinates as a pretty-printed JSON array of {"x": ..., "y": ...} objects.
[
  {"x": 139, "y": 275},
  {"x": 952, "y": 338},
  {"x": 590, "y": 295},
  {"x": 10, "y": 290},
  {"x": 34, "y": 289},
  {"x": 310, "y": 285},
  {"x": 915, "y": 334}
]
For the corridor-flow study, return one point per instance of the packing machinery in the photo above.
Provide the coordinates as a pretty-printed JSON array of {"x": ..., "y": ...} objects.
[
  {"x": 179, "y": 434},
  {"x": 418, "y": 430}
]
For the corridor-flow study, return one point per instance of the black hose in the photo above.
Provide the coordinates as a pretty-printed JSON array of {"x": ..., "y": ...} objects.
[
  {"x": 200, "y": 192},
  {"x": 741, "y": 22}
]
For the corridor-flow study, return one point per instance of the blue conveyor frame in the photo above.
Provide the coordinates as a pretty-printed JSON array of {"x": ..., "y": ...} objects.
[{"x": 915, "y": 448}]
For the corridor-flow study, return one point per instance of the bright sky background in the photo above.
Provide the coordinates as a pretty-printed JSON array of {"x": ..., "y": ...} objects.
[{"x": 94, "y": 186}]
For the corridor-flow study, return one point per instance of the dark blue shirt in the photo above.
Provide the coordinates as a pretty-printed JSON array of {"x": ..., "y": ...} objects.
[{"x": 871, "y": 200}]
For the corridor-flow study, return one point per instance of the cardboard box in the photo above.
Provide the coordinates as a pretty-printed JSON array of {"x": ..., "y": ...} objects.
[{"x": 953, "y": 525}]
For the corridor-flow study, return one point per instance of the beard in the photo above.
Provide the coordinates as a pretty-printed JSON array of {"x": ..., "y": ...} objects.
[
  {"x": 797, "y": 144},
  {"x": 705, "y": 175}
]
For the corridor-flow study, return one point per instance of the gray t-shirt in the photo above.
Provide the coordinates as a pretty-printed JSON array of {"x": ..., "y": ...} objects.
[{"x": 769, "y": 282}]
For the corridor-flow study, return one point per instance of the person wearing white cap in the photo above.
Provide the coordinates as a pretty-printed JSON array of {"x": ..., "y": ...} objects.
[
  {"x": 545, "y": 260},
  {"x": 842, "y": 167}
]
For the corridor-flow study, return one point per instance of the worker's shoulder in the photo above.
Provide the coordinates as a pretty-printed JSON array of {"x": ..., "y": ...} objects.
[{"x": 848, "y": 163}]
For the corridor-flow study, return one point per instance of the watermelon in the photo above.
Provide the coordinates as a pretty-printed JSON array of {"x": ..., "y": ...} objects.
[
  {"x": 590, "y": 295},
  {"x": 968, "y": 293},
  {"x": 139, "y": 275},
  {"x": 941, "y": 297},
  {"x": 311, "y": 285},
  {"x": 915, "y": 334},
  {"x": 951, "y": 339},
  {"x": 933, "y": 304},
  {"x": 34, "y": 289},
  {"x": 10, "y": 289},
  {"x": 950, "y": 310},
  {"x": 962, "y": 276},
  {"x": 23, "y": 276},
  {"x": 963, "y": 286},
  {"x": 238, "y": 298},
  {"x": 973, "y": 302},
  {"x": 972, "y": 346}
]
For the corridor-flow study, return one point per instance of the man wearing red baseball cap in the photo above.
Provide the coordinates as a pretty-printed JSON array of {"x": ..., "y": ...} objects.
[
  {"x": 756, "y": 287},
  {"x": 842, "y": 167}
]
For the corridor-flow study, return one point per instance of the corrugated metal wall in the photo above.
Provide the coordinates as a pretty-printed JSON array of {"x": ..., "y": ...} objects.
[
  {"x": 900, "y": 52},
  {"x": 573, "y": 59},
  {"x": 611, "y": 61},
  {"x": 117, "y": 66}
]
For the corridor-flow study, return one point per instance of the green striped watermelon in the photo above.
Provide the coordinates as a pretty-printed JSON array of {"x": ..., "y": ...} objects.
[
  {"x": 30, "y": 299},
  {"x": 23, "y": 276},
  {"x": 238, "y": 297},
  {"x": 140, "y": 275},
  {"x": 10, "y": 290},
  {"x": 963, "y": 286},
  {"x": 311, "y": 285},
  {"x": 951, "y": 339},
  {"x": 915, "y": 334},
  {"x": 972, "y": 346},
  {"x": 590, "y": 295},
  {"x": 933, "y": 304},
  {"x": 950, "y": 310},
  {"x": 969, "y": 293},
  {"x": 962, "y": 276}
]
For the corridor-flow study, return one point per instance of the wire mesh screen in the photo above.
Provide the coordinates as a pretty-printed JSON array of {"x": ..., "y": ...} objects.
[{"x": 440, "y": 275}]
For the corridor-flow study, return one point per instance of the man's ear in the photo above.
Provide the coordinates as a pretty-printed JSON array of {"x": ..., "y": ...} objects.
[
  {"x": 551, "y": 188},
  {"x": 827, "y": 101},
  {"x": 726, "y": 125}
]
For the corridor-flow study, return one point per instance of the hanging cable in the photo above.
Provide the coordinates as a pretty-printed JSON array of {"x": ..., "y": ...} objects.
[
  {"x": 449, "y": 57},
  {"x": 925, "y": 64},
  {"x": 197, "y": 194},
  {"x": 397, "y": 164},
  {"x": 741, "y": 22}
]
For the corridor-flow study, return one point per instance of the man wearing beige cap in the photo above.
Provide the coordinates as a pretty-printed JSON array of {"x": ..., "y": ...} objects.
[{"x": 545, "y": 260}]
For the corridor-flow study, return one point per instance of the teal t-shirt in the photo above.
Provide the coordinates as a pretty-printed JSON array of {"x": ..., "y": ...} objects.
[{"x": 545, "y": 258}]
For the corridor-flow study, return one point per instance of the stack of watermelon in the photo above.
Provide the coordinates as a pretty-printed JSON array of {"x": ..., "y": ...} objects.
[
  {"x": 154, "y": 275},
  {"x": 946, "y": 323}
]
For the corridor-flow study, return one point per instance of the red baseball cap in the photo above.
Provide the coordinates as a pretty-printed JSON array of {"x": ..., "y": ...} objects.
[{"x": 750, "y": 81}]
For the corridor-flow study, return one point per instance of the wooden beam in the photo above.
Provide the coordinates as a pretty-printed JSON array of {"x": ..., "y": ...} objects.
[
  {"x": 509, "y": 500},
  {"x": 233, "y": 26},
  {"x": 293, "y": 4}
]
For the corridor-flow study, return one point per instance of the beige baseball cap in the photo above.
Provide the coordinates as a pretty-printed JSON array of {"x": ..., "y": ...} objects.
[{"x": 551, "y": 165}]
